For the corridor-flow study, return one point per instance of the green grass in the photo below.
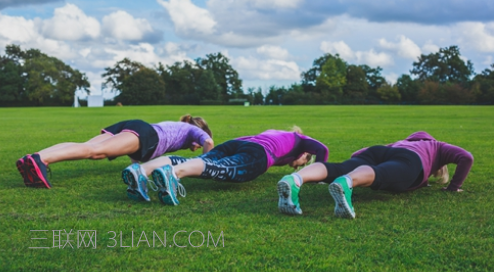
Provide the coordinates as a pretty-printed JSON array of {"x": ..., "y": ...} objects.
[{"x": 424, "y": 230}]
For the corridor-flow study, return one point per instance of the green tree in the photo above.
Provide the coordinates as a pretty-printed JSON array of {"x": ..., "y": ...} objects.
[
  {"x": 38, "y": 78},
  {"x": 408, "y": 89},
  {"x": 181, "y": 82},
  {"x": 356, "y": 88},
  {"x": 50, "y": 81},
  {"x": 374, "y": 79},
  {"x": 309, "y": 78},
  {"x": 144, "y": 87},
  {"x": 116, "y": 75},
  {"x": 389, "y": 93},
  {"x": 224, "y": 74},
  {"x": 484, "y": 83},
  {"x": 206, "y": 87},
  {"x": 11, "y": 83},
  {"x": 332, "y": 79},
  {"x": 443, "y": 66}
]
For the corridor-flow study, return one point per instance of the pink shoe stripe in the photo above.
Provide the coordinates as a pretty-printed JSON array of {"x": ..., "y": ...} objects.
[{"x": 39, "y": 174}]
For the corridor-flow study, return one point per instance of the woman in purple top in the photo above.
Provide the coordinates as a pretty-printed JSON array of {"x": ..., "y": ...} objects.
[
  {"x": 402, "y": 166},
  {"x": 137, "y": 139},
  {"x": 239, "y": 160}
]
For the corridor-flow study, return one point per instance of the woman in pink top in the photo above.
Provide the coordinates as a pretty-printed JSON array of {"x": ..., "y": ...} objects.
[
  {"x": 137, "y": 139},
  {"x": 402, "y": 166},
  {"x": 239, "y": 160}
]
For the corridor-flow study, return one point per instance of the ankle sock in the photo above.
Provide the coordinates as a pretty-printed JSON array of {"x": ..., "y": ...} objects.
[
  {"x": 298, "y": 179},
  {"x": 349, "y": 181}
]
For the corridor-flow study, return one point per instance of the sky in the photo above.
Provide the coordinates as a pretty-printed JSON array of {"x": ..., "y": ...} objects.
[{"x": 268, "y": 42}]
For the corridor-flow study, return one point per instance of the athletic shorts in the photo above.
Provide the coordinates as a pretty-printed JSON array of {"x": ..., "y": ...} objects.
[
  {"x": 396, "y": 169},
  {"x": 148, "y": 138}
]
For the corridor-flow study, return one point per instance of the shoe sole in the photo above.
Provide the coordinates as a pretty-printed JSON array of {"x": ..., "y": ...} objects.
[
  {"x": 285, "y": 204},
  {"x": 33, "y": 176},
  {"x": 133, "y": 189},
  {"x": 165, "y": 197},
  {"x": 20, "y": 166},
  {"x": 341, "y": 209}
]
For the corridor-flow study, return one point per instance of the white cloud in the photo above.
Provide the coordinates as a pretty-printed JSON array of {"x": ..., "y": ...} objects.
[
  {"x": 275, "y": 4},
  {"x": 429, "y": 47},
  {"x": 123, "y": 26},
  {"x": 340, "y": 48},
  {"x": 391, "y": 78},
  {"x": 17, "y": 29},
  {"x": 374, "y": 59},
  {"x": 370, "y": 57},
  {"x": 478, "y": 35},
  {"x": 188, "y": 18},
  {"x": 69, "y": 23},
  {"x": 405, "y": 47},
  {"x": 274, "y": 52},
  {"x": 23, "y": 32},
  {"x": 266, "y": 69}
]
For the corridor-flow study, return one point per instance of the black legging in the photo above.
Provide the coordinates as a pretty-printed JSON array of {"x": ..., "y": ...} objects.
[
  {"x": 232, "y": 161},
  {"x": 396, "y": 169}
]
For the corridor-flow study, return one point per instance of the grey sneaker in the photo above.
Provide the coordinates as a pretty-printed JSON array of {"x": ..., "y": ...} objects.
[
  {"x": 342, "y": 195},
  {"x": 168, "y": 185},
  {"x": 137, "y": 182},
  {"x": 288, "y": 191}
]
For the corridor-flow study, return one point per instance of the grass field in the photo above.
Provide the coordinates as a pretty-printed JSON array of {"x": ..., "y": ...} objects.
[{"x": 424, "y": 230}]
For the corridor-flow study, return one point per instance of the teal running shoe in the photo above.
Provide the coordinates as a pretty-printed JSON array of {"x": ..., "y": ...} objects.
[
  {"x": 288, "y": 192},
  {"x": 137, "y": 182},
  {"x": 342, "y": 196},
  {"x": 168, "y": 185}
]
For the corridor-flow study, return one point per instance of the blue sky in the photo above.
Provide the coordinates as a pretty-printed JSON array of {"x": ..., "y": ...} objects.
[{"x": 267, "y": 42}]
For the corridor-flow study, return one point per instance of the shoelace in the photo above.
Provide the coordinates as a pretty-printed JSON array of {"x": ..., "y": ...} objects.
[
  {"x": 181, "y": 190},
  {"x": 153, "y": 185}
]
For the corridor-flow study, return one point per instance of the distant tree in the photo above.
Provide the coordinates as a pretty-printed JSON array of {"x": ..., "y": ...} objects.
[
  {"x": 116, "y": 75},
  {"x": 275, "y": 95},
  {"x": 11, "y": 82},
  {"x": 374, "y": 79},
  {"x": 356, "y": 87},
  {"x": 484, "y": 84},
  {"x": 31, "y": 77},
  {"x": 408, "y": 89},
  {"x": 309, "y": 78},
  {"x": 448, "y": 93},
  {"x": 295, "y": 95},
  {"x": 443, "y": 66},
  {"x": 332, "y": 79},
  {"x": 144, "y": 87},
  {"x": 224, "y": 74},
  {"x": 49, "y": 80},
  {"x": 181, "y": 82},
  {"x": 207, "y": 88},
  {"x": 389, "y": 93}
]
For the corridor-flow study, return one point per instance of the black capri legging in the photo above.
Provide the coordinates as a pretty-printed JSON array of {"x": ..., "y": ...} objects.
[
  {"x": 396, "y": 169},
  {"x": 232, "y": 161}
]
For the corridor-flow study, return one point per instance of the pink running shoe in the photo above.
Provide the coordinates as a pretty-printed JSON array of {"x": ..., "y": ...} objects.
[{"x": 36, "y": 172}]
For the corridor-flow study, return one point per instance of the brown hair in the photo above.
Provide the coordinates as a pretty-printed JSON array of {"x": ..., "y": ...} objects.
[{"x": 198, "y": 122}]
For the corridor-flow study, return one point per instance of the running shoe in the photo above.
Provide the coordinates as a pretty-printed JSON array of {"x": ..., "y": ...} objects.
[
  {"x": 34, "y": 171},
  {"x": 137, "y": 182},
  {"x": 168, "y": 185},
  {"x": 20, "y": 163},
  {"x": 288, "y": 192},
  {"x": 342, "y": 195}
]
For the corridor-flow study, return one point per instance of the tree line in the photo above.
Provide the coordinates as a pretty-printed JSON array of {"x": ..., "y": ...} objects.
[{"x": 31, "y": 78}]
